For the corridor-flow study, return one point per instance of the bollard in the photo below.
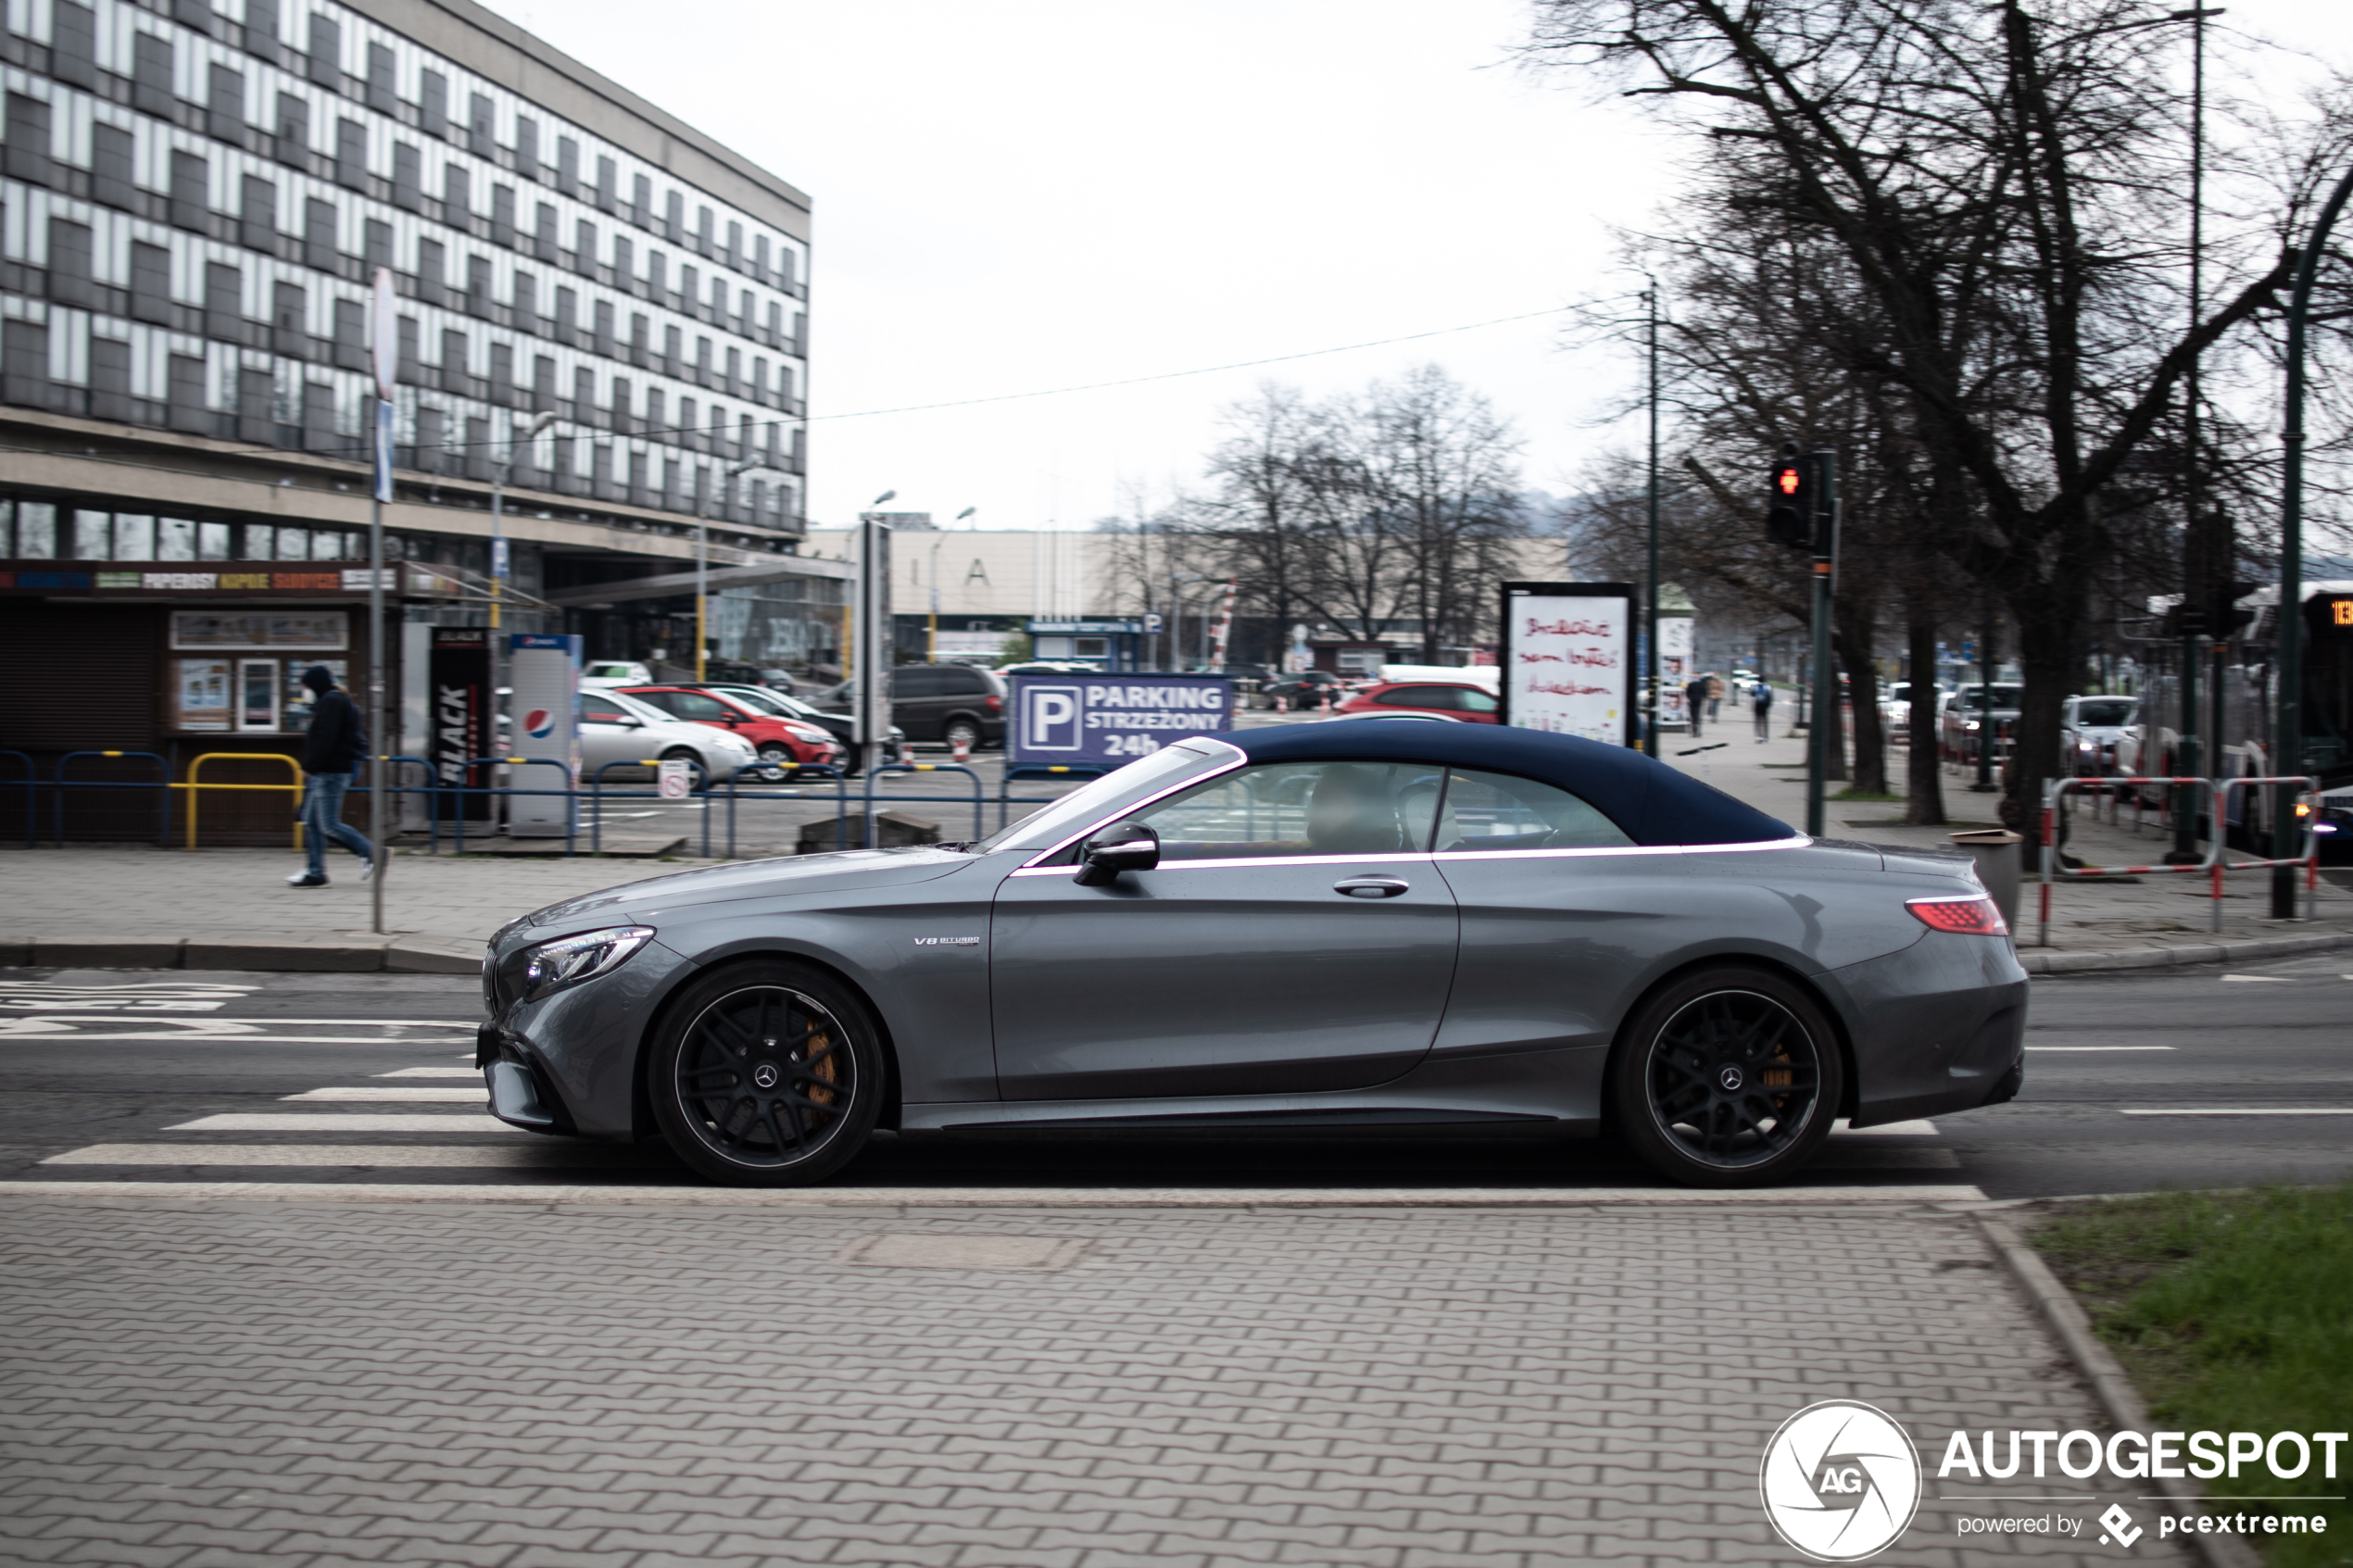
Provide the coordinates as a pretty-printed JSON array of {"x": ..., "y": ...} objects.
[
  {"x": 1282, "y": 705},
  {"x": 961, "y": 752},
  {"x": 1996, "y": 851}
]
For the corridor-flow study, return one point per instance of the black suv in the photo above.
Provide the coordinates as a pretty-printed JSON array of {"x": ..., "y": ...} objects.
[{"x": 946, "y": 703}]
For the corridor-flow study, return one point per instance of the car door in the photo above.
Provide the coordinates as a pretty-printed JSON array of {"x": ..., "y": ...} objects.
[
  {"x": 1561, "y": 911},
  {"x": 1244, "y": 963},
  {"x": 607, "y": 735}
]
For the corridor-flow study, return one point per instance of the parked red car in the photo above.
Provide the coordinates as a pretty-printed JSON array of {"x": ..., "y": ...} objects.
[
  {"x": 1473, "y": 704},
  {"x": 784, "y": 744}
]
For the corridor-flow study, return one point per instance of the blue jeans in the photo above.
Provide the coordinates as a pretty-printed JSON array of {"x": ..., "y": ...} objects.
[{"x": 322, "y": 818}]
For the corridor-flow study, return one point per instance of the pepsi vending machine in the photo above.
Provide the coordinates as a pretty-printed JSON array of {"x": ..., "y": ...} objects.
[{"x": 544, "y": 674}]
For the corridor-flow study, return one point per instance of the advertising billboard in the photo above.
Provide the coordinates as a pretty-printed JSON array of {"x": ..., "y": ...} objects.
[
  {"x": 544, "y": 674},
  {"x": 1104, "y": 722},
  {"x": 457, "y": 714},
  {"x": 1568, "y": 660}
]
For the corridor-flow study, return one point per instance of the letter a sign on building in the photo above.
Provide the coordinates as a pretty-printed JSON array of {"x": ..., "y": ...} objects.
[{"x": 1568, "y": 660}]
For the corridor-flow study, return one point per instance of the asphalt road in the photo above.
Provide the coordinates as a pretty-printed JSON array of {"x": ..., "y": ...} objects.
[{"x": 2201, "y": 1078}]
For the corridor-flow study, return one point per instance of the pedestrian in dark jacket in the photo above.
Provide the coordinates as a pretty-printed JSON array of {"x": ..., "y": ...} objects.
[
  {"x": 332, "y": 748},
  {"x": 1695, "y": 700},
  {"x": 1761, "y": 699}
]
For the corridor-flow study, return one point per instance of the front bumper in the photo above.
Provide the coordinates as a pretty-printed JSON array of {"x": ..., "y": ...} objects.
[{"x": 568, "y": 1063}]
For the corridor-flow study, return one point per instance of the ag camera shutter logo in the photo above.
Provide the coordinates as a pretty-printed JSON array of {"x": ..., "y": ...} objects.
[{"x": 1840, "y": 1481}]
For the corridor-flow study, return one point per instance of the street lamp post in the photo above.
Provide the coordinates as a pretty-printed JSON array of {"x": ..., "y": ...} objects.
[
  {"x": 499, "y": 476},
  {"x": 1650, "y": 657}
]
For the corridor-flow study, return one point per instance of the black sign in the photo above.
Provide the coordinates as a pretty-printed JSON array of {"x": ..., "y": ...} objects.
[
  {"x": 457, "y": 712},
  {"x": 2329, "y": 615}
]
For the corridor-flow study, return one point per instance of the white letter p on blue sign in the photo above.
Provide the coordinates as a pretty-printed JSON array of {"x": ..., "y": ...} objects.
[{"x": 1050, "y": 719}]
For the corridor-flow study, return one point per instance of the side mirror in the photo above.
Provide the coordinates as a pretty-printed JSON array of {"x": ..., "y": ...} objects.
[
  {"x": 1125, "y": 847},
  {"x": 630, "y": 720}
]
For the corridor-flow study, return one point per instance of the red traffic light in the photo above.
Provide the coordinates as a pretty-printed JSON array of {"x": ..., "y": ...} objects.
[{"x": 1789, "y": 481}]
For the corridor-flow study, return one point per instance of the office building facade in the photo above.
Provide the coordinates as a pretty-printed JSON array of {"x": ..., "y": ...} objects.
[{"x": 196, "y": 196}]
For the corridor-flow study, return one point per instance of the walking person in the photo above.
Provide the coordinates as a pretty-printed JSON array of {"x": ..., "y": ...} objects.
[
  {"x": 1761, "y": 704},
  {"x": 1695, "y": 701},
  {"x": 1715, "y": 696},
  {"x": 331, "y": 748}
]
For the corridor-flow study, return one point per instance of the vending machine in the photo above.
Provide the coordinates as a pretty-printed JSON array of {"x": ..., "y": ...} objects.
[{"x": 543, "y": 674}]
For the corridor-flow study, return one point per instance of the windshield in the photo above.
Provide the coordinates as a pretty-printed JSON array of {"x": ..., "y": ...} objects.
[
  {"x": 753, "y": 696},
  {"x": 1145, "y": 776},
  {"x": 637, "y": 707},
  {"x": 2111, "y": 713},
  {"x": 1973, "y": 697}
]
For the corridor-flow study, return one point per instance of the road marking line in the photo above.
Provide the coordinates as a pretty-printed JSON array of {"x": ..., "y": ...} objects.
[
  {"x": 2101, "y": 1047},
  {"x": 420, "y": 1095},
  {"x": 1885, "y": 1130},
  {"x": 344, "y": 1122},
  {"x": 2255, "y": 1110},
  {"x": 2265, "y": 979},
  {"x": 10, "y": 1037},
  {"x": 13, "y": 1009},
  {"x": 537, "y": 1153},
  {"x": 431, "y": 1073},
  {"x": 999, "y": 1197}
]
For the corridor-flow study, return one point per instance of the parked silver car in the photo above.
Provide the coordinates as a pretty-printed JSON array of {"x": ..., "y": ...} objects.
[
  {"x": 1347, "y": 927},
  {"x": 615, "y": 728}
]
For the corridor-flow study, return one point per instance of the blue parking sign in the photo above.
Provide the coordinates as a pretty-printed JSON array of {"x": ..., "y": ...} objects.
[{"x": 1105, "y": 720}]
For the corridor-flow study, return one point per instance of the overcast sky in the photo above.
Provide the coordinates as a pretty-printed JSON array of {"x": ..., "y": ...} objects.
[{"x": 1041, "y": 194}]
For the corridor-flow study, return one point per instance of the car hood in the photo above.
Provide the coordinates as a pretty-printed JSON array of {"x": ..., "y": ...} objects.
[{"x": 753, "y": 879}]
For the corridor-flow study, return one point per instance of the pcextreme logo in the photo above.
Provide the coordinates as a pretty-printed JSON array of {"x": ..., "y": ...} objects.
[{"x": 1840, "y": 1481}]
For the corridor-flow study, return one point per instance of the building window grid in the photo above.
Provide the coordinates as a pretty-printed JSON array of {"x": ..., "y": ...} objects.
[
  {"x": 410, "y": 62},
  {"x": 319, "y": 302}
]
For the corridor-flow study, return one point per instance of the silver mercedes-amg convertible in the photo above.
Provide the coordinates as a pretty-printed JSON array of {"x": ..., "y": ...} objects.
[{"x": 1387, "y": 926}]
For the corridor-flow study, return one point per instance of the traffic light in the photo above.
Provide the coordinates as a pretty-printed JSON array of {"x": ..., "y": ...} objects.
[{"x": 1789, "y": 516}]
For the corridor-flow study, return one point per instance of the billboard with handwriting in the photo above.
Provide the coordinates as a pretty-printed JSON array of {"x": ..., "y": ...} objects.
[{"x": 1568, "y": 660}]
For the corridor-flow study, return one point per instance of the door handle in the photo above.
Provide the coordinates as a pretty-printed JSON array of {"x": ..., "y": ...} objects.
[{"x": 1371, "y": 886}]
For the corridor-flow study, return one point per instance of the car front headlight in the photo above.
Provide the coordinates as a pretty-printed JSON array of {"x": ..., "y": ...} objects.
[{"x": 568, "y": 961}]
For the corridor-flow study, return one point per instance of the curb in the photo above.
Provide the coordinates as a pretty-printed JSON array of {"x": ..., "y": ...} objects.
[
  {"x": 2111, "y": 1385},
  {"x": 394, "y": 955},
  {"x": 2036, "y": 961}
]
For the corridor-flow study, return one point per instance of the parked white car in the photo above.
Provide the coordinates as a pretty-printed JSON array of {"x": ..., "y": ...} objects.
[
  {"x": 616, "y": 672},
  {"x": 614, "y": 728}
]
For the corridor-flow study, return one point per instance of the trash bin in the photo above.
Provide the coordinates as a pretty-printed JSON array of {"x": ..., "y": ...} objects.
[{"x": 1995, "y": 850}]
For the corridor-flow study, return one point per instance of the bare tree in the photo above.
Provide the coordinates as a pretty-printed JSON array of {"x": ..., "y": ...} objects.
[{"x": 1991, "y": 177}]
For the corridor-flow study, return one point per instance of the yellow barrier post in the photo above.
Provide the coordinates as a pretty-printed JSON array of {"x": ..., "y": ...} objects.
[{"x": 197, "y": 785}]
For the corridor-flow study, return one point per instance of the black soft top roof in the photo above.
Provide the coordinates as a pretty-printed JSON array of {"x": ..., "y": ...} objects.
[{"x": 1652, "y": 802}]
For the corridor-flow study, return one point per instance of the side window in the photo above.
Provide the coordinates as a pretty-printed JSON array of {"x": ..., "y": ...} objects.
[
  {"x": 967, "y": 683},
  {"x": 1494, "y": 811},
  {"x": 915, "y": 681},
  {"x": 695, "y": 705},
  {"x": 666, "y": 701},
  {"x": 1474, "y": 701},
  {"x": 1289, "y": 808},
  {"x": 1407, "y": 696},
  {"x": 597, "y": 712}
]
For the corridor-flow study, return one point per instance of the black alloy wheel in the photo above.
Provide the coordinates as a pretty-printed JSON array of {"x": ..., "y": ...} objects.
[
  {"x": 1730, "y": 1077},
  {"x": 766, "y": 1073}
]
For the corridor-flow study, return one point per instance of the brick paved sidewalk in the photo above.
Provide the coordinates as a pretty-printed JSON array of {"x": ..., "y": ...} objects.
[{"x": 183, "y": 1386}]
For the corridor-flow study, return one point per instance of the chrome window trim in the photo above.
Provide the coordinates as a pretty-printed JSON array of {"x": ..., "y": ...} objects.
[
  {"x": 1402, "y": 857},
  {"x": 1798, "y": 841},
  {"x": 1240, "y": 758}
]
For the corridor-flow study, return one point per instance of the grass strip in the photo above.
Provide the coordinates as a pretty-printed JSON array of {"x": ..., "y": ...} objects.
[{"x": 2234, "y": 1312}]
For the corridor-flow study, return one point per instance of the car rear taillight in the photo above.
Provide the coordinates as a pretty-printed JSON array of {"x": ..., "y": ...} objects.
[
  {"x": 1971, "y": 917},
  {"x": 996, "y": 703}
]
